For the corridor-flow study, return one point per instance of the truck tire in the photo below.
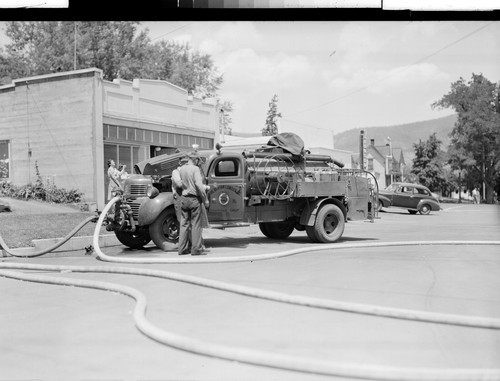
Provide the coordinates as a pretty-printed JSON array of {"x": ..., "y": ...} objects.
[
  {"x": 277, "y": 230},
  {"x": 136, "y": 240},
  {"x": 165, "y": 229},
  {"x": 311, "y": 233},
  {"x": 329, "y": 224}
]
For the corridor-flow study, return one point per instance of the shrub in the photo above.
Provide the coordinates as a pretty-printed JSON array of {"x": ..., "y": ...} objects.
[{"x": 41, "y": 192}]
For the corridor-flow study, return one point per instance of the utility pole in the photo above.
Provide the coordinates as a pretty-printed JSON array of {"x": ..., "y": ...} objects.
[
  {"x": 391, "y": 159},
  {"x": 74, "y": 50},
  {"x": 362, "y": 149}
]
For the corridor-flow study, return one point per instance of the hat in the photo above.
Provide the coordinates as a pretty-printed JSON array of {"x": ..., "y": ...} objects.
[
  {"x": 193, "y": 155},
  {"x": 183, "y": 159}
]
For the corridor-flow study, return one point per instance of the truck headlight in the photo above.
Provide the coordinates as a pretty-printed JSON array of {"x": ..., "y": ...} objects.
[{"x": 152, "y": 192}]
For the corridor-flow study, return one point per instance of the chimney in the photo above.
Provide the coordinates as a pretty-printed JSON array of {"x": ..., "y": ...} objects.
[{"x": 372, "y": 142}]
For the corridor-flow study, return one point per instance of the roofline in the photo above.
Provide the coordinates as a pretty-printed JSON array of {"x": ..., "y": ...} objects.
[{"x": 37, "y": 78}]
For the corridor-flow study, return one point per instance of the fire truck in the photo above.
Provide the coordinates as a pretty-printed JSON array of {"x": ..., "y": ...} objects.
[{"x": 280, "y": 186}]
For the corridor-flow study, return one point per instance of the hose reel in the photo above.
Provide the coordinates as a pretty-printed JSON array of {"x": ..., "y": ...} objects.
[{"x": 276, "y": 177}]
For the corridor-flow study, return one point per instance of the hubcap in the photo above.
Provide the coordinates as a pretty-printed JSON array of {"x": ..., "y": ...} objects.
[
  {"x": 170, "y": 230},
  {"x": 330, "y": 223}
]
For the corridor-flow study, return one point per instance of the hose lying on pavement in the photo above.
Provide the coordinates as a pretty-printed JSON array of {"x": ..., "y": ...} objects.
[
  {"x": 9, "y": 251},
  {"x": 263, "y": 358}
]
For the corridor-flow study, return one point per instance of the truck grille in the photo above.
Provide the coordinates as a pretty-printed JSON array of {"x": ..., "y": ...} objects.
[
  {"x": 135, "y": 208},
  {"x": 136, "y": 190}
]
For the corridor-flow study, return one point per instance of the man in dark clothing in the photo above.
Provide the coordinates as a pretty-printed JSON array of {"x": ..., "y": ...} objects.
[
  {"x": 178, "y": 187},
  {"x": 193, "y": 196}
]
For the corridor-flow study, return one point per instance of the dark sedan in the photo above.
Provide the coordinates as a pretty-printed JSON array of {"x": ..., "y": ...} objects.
[{"x": 414, "y": 197}]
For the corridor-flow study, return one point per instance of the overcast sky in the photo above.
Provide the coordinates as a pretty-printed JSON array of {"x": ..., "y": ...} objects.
[{"x": 333, "y": 76}]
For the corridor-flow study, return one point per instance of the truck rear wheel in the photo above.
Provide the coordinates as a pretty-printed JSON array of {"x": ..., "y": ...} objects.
[
  {"x": 329, "y": 224},
  {"x": 278, "y": 230},
  {"x": 165, "y": 229},
  {"x": 311, "y": 233},
  {"x": 135, "y": 240}
]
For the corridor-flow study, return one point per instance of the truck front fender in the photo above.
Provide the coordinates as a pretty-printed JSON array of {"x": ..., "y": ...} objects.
[
  {"x": 150, "y": 209},
  {"x": 308, "y": 216}
]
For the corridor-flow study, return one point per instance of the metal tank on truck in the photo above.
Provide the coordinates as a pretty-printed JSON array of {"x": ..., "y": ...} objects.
[{"x": 279, "y": 186}]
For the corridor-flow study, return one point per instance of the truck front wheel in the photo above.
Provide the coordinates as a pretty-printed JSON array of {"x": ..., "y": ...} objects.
[
  {"x": 329, "y": 224},
  {"x": 277, "y": 230},
  {"x": 135, "y": 240},
  {"x": 165, "y": 229}
]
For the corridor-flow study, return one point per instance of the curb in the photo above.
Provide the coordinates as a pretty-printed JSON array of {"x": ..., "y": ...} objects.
[{"x": 73, "y": 244}]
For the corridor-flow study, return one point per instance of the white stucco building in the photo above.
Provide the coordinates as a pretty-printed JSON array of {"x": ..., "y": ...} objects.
[{"x": 68, "y": 124}]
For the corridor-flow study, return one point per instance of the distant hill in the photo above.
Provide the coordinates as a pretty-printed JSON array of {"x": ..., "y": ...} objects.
[{"x": 402, "y": 136}]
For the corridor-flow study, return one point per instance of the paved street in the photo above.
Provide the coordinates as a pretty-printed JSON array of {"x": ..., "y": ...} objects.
[{"x": 52, "y": 332}]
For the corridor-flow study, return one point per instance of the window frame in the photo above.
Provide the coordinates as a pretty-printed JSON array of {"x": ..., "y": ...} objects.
[{"x": 7, "y": 142}]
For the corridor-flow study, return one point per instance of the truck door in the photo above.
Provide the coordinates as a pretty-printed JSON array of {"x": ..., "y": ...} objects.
[{"x": 227, "y": 190}]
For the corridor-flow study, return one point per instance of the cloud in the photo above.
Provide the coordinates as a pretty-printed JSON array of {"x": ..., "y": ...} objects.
[
  {"x": 392, "y": 80},
  {"x": 182, "y": 38},
  {"x": 229, "y": 36},
  {"x": 359, "y": 40}
]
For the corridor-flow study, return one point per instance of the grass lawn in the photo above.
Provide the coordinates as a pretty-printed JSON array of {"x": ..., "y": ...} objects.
[{"x": 31, "y": 220}]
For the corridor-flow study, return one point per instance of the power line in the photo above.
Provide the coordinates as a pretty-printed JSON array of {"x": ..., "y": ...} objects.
[
  {"x": 172, "y": 31},
  {"x": 390, "y": 75},
  {"x": 306, "y": 124}
]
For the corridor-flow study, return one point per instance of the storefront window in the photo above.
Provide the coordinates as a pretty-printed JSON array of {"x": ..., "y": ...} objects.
[{"x": 4, "y": 159}]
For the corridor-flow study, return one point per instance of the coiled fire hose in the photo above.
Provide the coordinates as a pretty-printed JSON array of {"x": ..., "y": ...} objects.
[{"x": 260, "y": 357}]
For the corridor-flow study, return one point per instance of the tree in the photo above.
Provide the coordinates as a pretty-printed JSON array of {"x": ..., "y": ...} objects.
[
  {"x": 115, "y": 47},
  {"x": 477, "y": 131},
  {"x": 428, "y": 164},
  {"x": 225, "y": 117},
  {"x": 459, "y": 162},
  {"x": 272, "y": 118}
]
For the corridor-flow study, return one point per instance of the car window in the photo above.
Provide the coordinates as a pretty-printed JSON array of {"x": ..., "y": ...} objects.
[
  {"x": 423, "y": 191},
  {"x": 406, "y": 190},
  {"x": 391, "y": 188}
]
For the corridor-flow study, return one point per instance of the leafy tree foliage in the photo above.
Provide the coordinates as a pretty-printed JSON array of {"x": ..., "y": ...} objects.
[
  {"x": 225, "y": 117},
  {"x": 458, "y": 162},
  {"x": 428, "y": 164},
  {"x": 271, "y": 127},
  {"x": 115, "y": 47},
  {"x": 476, "y": 135}
]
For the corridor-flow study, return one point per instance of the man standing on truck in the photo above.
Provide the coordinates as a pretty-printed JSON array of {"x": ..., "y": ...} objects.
[{"x": 193, "y": 197}]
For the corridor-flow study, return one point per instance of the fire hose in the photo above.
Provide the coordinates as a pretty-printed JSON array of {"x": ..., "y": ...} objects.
[
  {"x": 51, "y": 248},
  {"x": 260, "y": 357}
]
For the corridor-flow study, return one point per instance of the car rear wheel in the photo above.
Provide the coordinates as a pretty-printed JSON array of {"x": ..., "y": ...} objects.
[
  {"x": 379, "y": 206},
  {"x": 425, "y": 209}
]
